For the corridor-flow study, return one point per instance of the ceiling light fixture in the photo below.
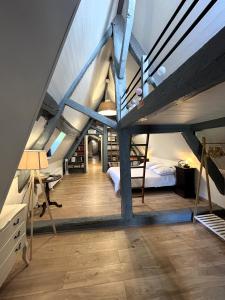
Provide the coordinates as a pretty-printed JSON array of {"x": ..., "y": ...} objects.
[{"x": 107, "y": 108}]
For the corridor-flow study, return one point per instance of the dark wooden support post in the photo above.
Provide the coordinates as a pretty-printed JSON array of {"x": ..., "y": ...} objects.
[
  {"x": 214, "y": 172},
  {"x": 126, "y": 37},
  {"x": 125, "y": 175},
  {"x": 104, "y": 149}
]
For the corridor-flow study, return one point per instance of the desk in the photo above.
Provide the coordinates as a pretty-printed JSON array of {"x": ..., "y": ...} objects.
[{"x": 46, "y": 181}]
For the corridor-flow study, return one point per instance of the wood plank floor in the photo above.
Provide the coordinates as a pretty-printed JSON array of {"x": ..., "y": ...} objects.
[
  {"x": 92, "y": 195},
  {"x": 152, "y": 262}
]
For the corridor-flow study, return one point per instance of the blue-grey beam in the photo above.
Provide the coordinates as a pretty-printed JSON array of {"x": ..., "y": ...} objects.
[
  {"x": 158, "y": 128},
  {"x": 77, "y": 142},
  {"x": 49, "y": 106},
  {"x": 98, "y": 130},
  {"x": 118, "y": 25},
  {"x": 216, "y": 123},
  {"x": 107, "y": 35},
  {"x": 104, "y": 149},
  {"x": 137, "y": 52},
  {"x": 200, "y": 72},
  {"x": 120, "y": 7},
  {"x": 66, "y": 127},
  {"x": 49, "y": 129},
  {"x": 125, "y": 175},
  {"x": 53, "y": 122},
  {"x": 119, "y": 90},
  {"x": 196, "y": 147},
  {"x": 91, "y": 113},
  {"x": 126, "y": 37}
]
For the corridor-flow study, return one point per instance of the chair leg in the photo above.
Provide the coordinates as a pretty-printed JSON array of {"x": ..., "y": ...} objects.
[{"x": 46, "y": 201}]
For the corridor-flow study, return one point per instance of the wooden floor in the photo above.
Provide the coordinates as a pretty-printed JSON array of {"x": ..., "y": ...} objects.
[
  {"x": 92, "y": 195},
  {"x": 155, "y": 262}
]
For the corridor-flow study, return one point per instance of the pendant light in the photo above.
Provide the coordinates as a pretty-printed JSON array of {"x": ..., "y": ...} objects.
[{"x": 107, "y": 108}]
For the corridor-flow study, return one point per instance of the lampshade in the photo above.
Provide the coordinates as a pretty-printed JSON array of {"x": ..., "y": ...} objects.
[
  {"x": 107, "y": 108},
  {"x": 33, "y": 160}
]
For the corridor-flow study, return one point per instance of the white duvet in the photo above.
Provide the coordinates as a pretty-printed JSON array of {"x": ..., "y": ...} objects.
[{"x": 151, "y": 178}]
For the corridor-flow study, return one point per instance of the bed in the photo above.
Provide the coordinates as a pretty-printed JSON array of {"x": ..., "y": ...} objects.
[{"x": 152, "y": 179}]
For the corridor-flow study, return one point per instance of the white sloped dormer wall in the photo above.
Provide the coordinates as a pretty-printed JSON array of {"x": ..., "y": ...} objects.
[{"x": 88, "y": 27}]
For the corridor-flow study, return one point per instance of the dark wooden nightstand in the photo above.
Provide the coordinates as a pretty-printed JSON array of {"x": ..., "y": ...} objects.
[{"x": 185, "y": 185}]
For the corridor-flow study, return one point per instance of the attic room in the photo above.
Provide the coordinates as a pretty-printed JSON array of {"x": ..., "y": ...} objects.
[{"x": 113, "y": 149}]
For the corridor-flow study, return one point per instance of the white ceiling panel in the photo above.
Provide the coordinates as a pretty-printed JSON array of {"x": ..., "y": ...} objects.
[{"x": 92, "y": 20}]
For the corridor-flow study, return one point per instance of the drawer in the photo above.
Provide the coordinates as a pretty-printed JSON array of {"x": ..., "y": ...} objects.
[
  {"x": 9, "y": 262},
  {"x": 13, "y": 240},
  {"x": 12, "y": 226}
]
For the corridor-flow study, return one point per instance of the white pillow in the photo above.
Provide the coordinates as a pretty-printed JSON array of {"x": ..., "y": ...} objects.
[
  {"x": 150, "y": 164},
  {"x": 163, "y": 170}
]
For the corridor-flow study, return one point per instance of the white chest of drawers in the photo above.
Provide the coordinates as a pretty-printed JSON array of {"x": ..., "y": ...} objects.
[{"x": 12, "y": 237}]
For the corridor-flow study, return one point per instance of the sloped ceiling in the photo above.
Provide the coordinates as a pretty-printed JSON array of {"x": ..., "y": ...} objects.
[{"x": 92, "y": 20}]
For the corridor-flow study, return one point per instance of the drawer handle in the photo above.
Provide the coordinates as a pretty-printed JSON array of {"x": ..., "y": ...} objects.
[
  {"x": 17, "y": 235},
  {"x": 18, "y": 248},
  {"x": 16, "y": 222}
]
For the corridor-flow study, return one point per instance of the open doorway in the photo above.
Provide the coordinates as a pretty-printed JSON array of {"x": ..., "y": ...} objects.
[{"x": 94, "y": 153}]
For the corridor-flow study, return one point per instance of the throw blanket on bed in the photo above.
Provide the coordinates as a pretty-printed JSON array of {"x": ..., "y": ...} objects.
[{"x": 152, "y": 179}]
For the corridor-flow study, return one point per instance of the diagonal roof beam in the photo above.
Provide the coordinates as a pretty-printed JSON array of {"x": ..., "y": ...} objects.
[
  {"x": 119, "y": 90},
  {"x": 214, "y": 172},
  {"x": 52, "y": 124},
  {"x": 77, "y": 142},
  {"x": 120, "y": 7},
  {"x": 94, "y": 54},
  {"x": 137, "y": 52},
  {"x": 159, "y": 128},
  {"x": 49, "y": 129},
  {"x": 91, "y": 113},
  {"x": 209, "y": 124},
  {"x": 97, "y": 129},
  {"x": 126, "y": 37},
  {"x": 66, "y": 127},
  {"x": 200, "y": 72}
]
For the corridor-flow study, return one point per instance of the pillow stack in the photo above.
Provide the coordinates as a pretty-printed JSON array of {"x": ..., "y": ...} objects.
[{"x": 161, "y": 167}]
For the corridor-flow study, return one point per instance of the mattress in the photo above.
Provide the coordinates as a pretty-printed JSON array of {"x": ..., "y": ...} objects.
[{"x": 151, "y": 179}]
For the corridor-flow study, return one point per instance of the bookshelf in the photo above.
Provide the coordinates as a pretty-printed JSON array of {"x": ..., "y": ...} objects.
[
  {"x": 113, "y": 148},
  {"x": 77, "y": 163}
]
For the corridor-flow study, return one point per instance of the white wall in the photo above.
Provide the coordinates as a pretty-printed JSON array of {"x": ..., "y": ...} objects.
[
  {"x": 173, "y": 146},
  {"x": 55, "y": 163}
]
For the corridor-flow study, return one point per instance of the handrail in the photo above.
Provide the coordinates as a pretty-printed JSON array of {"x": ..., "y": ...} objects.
[{"x": 126, "y": 100}]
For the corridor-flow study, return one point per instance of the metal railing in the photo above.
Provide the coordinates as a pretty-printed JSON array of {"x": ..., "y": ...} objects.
[{"x": 128, "y": 96}]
